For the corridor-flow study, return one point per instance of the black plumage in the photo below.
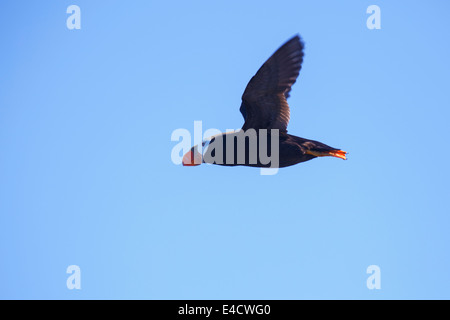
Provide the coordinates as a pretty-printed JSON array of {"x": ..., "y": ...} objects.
[{"x": 264, "y": 108}]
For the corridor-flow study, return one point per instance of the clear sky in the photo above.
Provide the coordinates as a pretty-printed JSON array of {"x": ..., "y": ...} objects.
[{"x": 86, "y": 176}]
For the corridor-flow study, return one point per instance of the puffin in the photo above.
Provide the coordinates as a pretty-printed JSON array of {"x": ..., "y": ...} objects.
[{"x": 263, "y": 140}]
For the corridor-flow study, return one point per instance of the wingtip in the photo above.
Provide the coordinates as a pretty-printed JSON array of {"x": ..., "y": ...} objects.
[{"x": 296, "y": 38}]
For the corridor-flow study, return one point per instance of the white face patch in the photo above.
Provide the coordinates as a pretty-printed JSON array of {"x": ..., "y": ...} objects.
[
  {"x": 210, "y": 145},
  {"x": 205, "y": 145}
]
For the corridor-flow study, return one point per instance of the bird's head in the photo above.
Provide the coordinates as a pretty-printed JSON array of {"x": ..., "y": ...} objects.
[{"x": 193, "y": 157}]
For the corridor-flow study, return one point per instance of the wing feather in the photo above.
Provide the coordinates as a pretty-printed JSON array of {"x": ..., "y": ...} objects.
[{"x": 264, "y": 104}]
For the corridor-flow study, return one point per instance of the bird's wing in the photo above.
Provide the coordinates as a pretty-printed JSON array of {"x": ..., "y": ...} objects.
[{"x": 264, "y": 104}]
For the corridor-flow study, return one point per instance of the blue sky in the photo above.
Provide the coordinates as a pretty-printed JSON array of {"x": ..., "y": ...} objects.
[{"x": 86, "y": 176}]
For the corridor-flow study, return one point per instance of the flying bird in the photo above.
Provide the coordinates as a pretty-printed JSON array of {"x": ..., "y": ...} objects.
[{"x": 263, "y": 140}]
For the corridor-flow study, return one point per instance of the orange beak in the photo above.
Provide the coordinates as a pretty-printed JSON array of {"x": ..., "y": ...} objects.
[
  {"x": 192, "y": 158},
  {"x": 333, "y": 153}
]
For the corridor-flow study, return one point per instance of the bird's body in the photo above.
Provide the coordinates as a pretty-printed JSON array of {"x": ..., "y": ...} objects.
[
  {"x": 263, "y": 140},
  {"x": 257, "y": 150}
]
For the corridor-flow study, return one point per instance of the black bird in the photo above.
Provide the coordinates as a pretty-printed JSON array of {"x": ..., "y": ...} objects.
[{"x": 264, "y": 107}]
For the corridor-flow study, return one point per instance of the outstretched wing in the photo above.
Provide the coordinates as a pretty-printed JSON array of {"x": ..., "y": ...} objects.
[{"x": 264, "y": 104}]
